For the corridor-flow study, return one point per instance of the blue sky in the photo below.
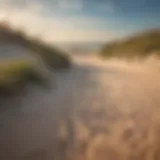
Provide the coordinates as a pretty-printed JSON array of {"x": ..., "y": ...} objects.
[{"x": 82, "y": 20}]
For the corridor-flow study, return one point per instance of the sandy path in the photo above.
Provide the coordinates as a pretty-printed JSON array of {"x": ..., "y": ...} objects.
[{"x": 29, "y": 125}]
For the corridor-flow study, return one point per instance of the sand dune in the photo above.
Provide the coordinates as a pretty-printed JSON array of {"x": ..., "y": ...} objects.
[{"x": 97, "y": 111}]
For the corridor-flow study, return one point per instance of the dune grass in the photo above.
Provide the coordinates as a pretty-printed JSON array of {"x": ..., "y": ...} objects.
[
  {"x": 16, "y": 74},
  {"x": 52, "y": 56},
  {"x": 140, "y": 45}
]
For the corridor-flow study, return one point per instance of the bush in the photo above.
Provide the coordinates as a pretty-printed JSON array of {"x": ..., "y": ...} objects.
[
  {"x": 52, "y": 56},
  {"x": 15, "y": 75},
  {"x": 140, "y": 45}
]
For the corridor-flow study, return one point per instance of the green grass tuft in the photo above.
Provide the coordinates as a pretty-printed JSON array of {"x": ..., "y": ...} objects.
[
  {"x": 15, "y": 75},
  {"x": 141, "y": 45}
]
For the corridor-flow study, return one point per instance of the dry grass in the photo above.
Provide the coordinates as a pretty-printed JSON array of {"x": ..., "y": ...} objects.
[
  {"x": 16, "y": 74},
  {"x": 141, "y": 45},
  {"x": 52, "y": 56}
]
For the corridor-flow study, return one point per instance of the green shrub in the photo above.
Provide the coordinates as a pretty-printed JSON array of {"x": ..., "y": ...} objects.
[
  {"x": 140, "y": 45},
  {"x": 52, "y": 56},
  {"x": 15, "y": 75}
]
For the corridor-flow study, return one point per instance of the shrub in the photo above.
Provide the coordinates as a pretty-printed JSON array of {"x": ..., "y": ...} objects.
[
  {"x": 52, "y": 56},
  {"x": 15, "y": 75},
  {"x": 140, "y": 45}
]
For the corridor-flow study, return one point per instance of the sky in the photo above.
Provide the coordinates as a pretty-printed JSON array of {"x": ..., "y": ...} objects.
[{"x": 81, "y": 20}]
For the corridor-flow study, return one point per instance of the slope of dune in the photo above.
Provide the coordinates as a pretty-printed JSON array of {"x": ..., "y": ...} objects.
[
  {"x": 99, "y": 110},
  {"x": 140, "y": 45},
  {"x": 52, "y": 56},
  {"x": 24, "y": 59}
]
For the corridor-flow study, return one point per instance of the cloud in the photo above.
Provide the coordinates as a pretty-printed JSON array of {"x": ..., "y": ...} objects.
[
  {"x": 65, "y": 5},
  {"x": 84, "y": 35},
  {"x": 54, "y": 27}
]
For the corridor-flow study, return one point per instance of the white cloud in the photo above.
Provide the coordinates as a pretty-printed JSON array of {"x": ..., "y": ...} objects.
[
  {"x": 65, "y": 5},
  {"x": 55, "y": 28},
  {"x": 82, "y": 35}
]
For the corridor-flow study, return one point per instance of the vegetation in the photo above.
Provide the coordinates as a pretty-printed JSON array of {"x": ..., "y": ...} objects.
[
  {"x": 140, "y": 45},
  {"x": 52, "y": 56},
  {"x": 16, "y": 74}
]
